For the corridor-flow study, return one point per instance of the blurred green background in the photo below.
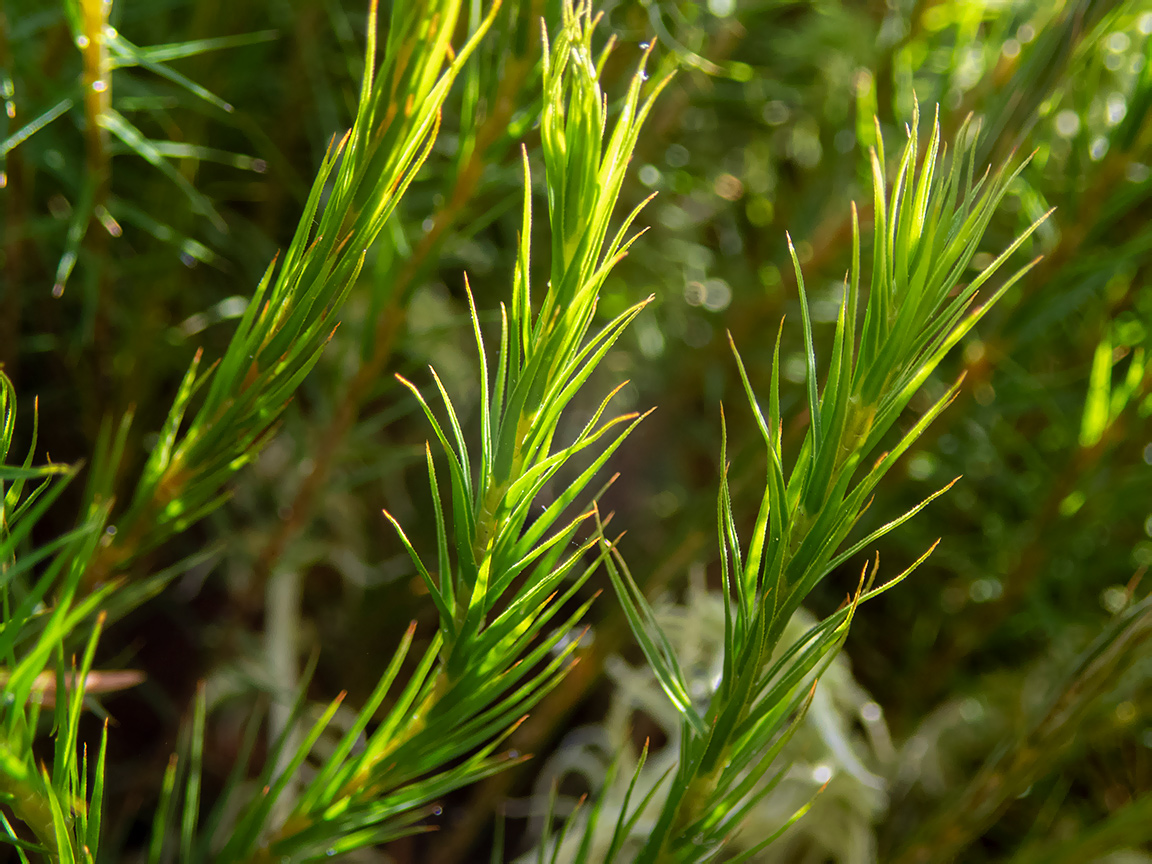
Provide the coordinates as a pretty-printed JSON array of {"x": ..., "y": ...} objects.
[{"x": 1003, "y": 744}]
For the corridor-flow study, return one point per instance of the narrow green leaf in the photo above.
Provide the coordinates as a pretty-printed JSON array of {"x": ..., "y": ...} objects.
[
  {"x": 33, "y": 126},
  {"x": 329, "y": 782},
  {"x": 1096, "y": 405},
  {"x": 96, "y": 805},
  {"x": 160, "y": 821},
  {"x": 119, "y": 126},
  {"x": 810, "y": 354},
  {"x": 446, "y": 617},
  {"x": 642, "y": 621},
  {"x": 178, "y": 50},
  {"x": 191, "y": 815}
]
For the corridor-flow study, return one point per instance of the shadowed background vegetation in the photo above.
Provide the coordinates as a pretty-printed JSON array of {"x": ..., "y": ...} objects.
[{"x": 1011, "y": 670}]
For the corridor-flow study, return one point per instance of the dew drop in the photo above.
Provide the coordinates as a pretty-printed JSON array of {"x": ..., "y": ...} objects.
[
  {"x": 1098, "y": 148},
  {"x": 1067, "y": 123},
  {"x": 100, "y": 86},
  {"x": 644, "y": 46},
  {"x": 1116, "y": 108},
  {"x": 1118, "y": 42},
  {"x": 82, "y": 42}
]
